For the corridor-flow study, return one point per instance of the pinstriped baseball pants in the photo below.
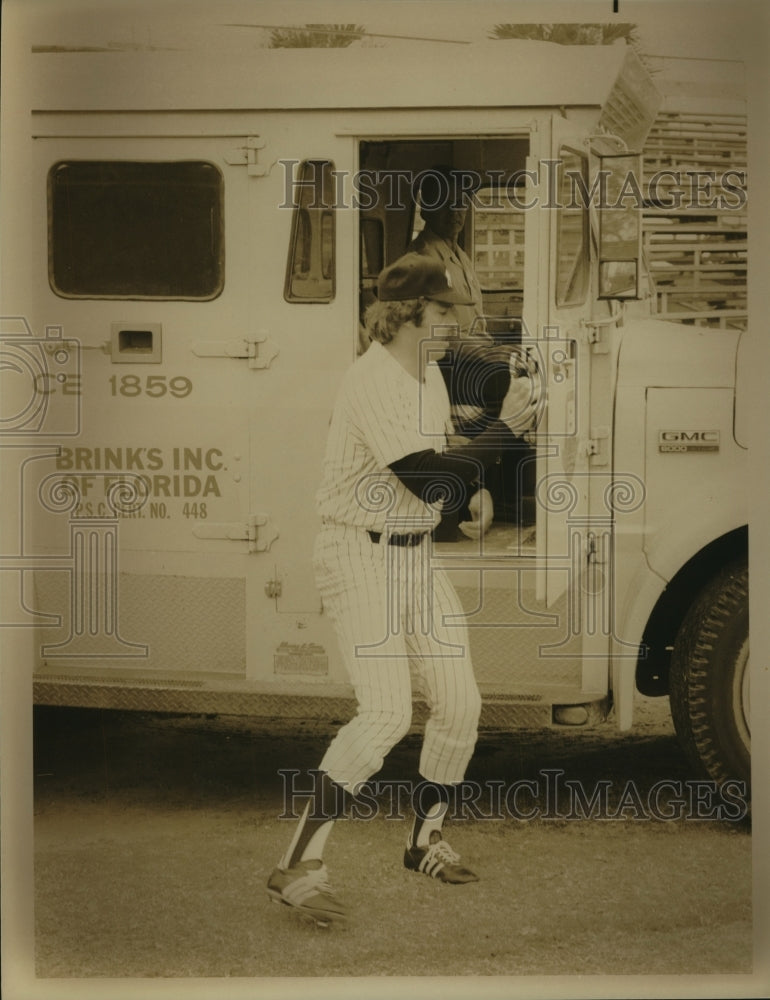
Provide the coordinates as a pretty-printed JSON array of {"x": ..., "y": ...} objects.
[{"x": 391, "y": 609}]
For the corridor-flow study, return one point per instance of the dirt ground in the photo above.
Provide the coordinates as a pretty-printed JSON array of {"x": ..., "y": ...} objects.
[{"x": 154, "y": 836}]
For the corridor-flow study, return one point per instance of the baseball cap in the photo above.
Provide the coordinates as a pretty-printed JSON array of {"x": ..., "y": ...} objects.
[{"x": 415, "y": 276}]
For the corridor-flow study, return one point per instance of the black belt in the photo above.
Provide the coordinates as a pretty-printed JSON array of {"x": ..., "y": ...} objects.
[{"x": 403, "y": 540}]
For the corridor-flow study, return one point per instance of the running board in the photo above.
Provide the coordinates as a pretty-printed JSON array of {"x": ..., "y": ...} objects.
[{"x": 333, "y": 705}]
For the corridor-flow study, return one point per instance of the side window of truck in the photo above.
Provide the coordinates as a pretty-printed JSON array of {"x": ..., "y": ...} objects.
[
  {"x": 126, "y": 229},
  {"x": 572, "y": 248},
  {"x": 310, "y": 269}
]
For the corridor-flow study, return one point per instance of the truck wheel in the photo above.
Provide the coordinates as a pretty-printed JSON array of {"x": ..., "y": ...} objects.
[{"x": 709, "y": 689}]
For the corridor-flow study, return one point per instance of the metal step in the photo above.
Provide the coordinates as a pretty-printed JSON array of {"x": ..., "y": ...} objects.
[{"x": 332, "y": 704}]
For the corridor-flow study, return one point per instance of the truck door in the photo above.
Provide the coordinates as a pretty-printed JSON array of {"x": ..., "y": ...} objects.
[
  {"x": 138, "y": 276},
  {"x": 209, "y": 374},
  {"x": 302, "y": 302},
  {"x": 564, "y": 436}
]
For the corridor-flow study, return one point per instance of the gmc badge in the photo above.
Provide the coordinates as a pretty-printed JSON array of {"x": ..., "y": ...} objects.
[{"x": 682, "y": 441}]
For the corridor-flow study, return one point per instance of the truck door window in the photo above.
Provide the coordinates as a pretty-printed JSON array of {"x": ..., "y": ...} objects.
[
  {"x": 135, "y": 230},
  {"x": 572, "y": 269},
  {"x": 310, "y": 269}
]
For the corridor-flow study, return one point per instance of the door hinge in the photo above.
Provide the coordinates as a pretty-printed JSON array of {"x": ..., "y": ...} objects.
[
  {"x": 597, "y": 337},
  {"x": 597, "y": 446},
  {"x": 247, "y": 155},
  {"x": 257, "y": 531},
  {"x": 259, "y": 350}
]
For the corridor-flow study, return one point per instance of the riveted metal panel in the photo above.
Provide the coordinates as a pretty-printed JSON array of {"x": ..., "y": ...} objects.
[
  {"x": 187, "y": 623},
  {"x": 517, "y": 650}
]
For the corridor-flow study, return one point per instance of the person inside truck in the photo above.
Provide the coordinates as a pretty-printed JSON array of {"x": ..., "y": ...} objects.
[
  {"x": 387, "y": 472},
  {"x": 443, "y": 197},
  {"x": 476, "y": 369}
]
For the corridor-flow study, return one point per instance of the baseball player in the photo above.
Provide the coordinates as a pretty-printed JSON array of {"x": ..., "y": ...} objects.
[{"x": 387, "y": 475}]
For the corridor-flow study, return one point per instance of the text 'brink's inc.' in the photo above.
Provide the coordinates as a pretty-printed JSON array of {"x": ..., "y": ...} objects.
[{"x": 157, "y": 472}]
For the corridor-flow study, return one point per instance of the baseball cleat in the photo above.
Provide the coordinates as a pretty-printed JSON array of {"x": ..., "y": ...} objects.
[
  {"x": 439, "y": 861},
  {"x": 306, "y": 887}
]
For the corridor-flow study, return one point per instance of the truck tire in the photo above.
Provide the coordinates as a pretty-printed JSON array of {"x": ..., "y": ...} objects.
[{"x": 709, "y": 684}]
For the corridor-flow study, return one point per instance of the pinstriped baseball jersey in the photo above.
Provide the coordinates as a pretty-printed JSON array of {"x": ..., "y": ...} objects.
[{"x": 381, "y": 415}]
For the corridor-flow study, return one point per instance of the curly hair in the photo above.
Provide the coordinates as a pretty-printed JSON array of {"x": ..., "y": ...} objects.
[{"x": 384, "y": 319}]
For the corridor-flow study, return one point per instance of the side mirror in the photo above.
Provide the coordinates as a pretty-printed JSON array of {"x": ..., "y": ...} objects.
[{"x": 620, "y": 227}]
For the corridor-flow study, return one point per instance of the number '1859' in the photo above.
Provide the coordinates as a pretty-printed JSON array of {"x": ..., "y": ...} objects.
[{"x": 178, "y": 386}]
